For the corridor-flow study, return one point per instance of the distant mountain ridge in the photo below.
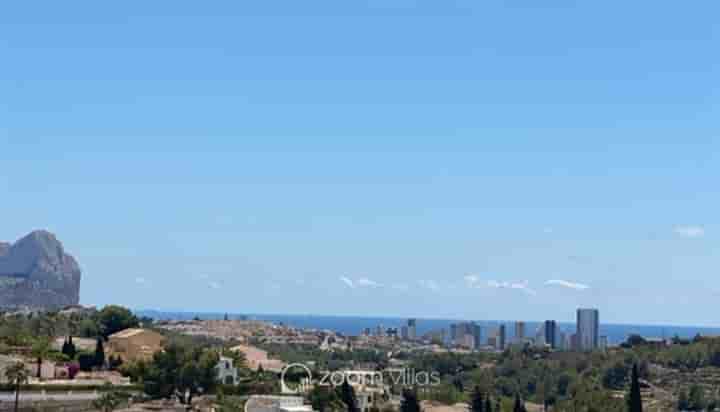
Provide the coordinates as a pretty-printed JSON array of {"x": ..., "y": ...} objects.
[{"x": 36, "y": 273}]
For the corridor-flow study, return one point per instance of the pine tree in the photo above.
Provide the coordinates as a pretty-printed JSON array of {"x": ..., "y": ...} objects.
[
  {"x": 410, "y": 402},
  {"x": 99, "y": 353},
  {"x": 635, "y": 400},
  {"x": 477, "y": 404}
]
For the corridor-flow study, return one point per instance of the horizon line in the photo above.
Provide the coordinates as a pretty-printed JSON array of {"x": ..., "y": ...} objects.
[{"x": 201, "y": 312}]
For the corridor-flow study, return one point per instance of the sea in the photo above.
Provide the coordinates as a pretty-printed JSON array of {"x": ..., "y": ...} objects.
[{"x": 354, "y": 325}]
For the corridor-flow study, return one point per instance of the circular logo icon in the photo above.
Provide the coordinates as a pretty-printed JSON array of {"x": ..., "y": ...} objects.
[{"x": 292, "y": 387}]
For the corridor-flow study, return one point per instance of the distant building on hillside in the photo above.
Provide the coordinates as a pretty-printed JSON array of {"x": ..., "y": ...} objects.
[
  {"x": 275, "y": 403},
  {"x": 573, "y": 343},
  {"x": 540, "y": 336},
  {"x": 412, "y": 329},
  {"x": 134, "y": 344},
  {"x": 519, "y": 332},
  {"x": 477, "y": 335},
  {"x": 453, "y": 333},
  {"x": 502, "y": 337},
  {"x": 603, "y": 343},
  {"x": 436, "y": 337},
  {"x": 466, "y": 334},
  {"x": 588, "y": 329},
  {"x": 226, "y": 372},
  {"x": 492, "y": 340},
  {"x": 562, "y": 341},
  {"x": 551, "y": 333},
  {"x": 256, "y": 357}
]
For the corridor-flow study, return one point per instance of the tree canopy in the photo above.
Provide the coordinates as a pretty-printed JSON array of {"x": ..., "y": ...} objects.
[{"x": 113, "y": 318}]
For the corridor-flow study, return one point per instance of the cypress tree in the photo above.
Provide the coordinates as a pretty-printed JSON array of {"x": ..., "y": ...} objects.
[
  {"x": 519, "y": 405},
  {"x": 410, "y": 402},
  {"x": 72, "y": 350},
  {"x": 347, "y": 395},
  {"x": 99, "y": 353},
  {"x": 477, "y": 404},
  {"x": 635, "y": 399},
  {"x": 65, "y": 347}
]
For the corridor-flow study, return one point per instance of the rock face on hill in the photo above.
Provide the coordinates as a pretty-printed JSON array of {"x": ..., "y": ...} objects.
[{"x": 36, "y": 273}]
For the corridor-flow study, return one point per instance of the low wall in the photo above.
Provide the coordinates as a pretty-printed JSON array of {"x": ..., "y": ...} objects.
[{"x": 55, "y": 406}]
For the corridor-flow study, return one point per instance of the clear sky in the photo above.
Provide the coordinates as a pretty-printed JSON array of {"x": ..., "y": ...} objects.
[{"x": 470, "y": 159}]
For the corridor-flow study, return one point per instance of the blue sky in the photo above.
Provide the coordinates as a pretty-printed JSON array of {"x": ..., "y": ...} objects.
[{"x": 469, "y": 159}]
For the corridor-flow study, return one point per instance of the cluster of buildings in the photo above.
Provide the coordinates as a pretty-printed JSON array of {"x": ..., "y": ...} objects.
[
  {"x": 585, "y": 337},
  {"x": 243, "y": 330},
  {"x": 128, "y": 345},
  {"x": 407, "y": 332},
  {"x": 471, "y": 335},
  {"x": 256, "y": 358}
]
